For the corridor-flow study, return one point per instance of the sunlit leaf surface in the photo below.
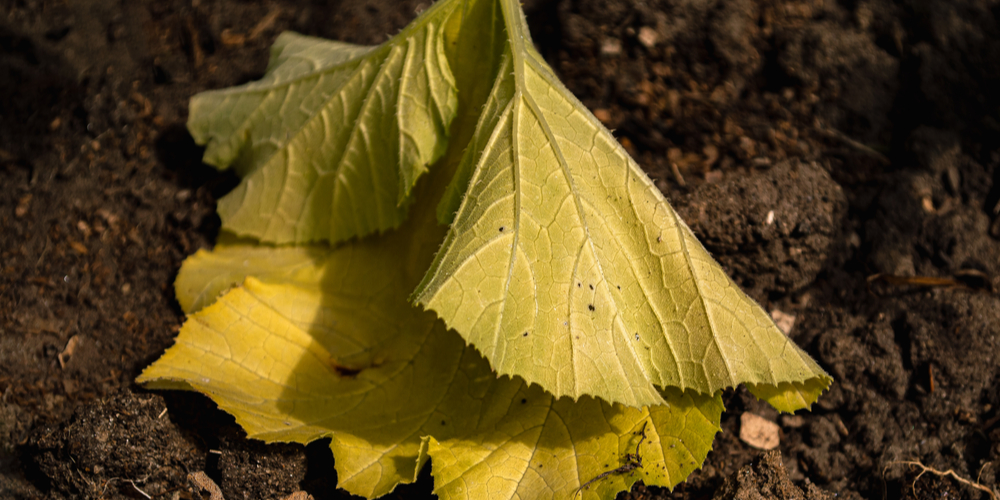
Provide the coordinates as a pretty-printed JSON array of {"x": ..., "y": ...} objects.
[
  {"x": 566, "y": 266},
  {"x": 331, "y": 141},
  {"x": 326, "y": 344},
  {"x": 568, "y": 321}
]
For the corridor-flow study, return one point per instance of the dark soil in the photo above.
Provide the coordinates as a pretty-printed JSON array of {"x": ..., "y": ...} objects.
[
  {"x": 840, "y": 158},
  {"x": 766, "y": 478}
]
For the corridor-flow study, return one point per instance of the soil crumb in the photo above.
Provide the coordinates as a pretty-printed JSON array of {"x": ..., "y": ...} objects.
[
  {"x": 766, "y": 479},
  {"x": 121, "y": 445}
]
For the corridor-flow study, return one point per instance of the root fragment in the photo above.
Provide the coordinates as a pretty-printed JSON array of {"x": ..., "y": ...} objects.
[{"x": 925, "y": 469}]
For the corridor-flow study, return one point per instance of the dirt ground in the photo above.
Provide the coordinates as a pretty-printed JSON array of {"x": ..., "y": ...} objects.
[{"x": 840, "y": 158}]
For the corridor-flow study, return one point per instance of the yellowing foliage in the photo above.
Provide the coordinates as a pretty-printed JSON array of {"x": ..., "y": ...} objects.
[{"x": 532, "y": 312}]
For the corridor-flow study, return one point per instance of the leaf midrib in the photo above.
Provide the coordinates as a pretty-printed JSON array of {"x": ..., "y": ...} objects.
[{"x": 516, "y": 37}]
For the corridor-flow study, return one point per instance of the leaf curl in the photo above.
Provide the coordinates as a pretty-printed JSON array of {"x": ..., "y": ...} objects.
[{"x": 334, "y": 137}]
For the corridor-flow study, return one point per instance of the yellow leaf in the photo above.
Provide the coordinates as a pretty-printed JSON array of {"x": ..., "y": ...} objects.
[
  {"x": 790, "y": 396},
  {"x": 335, "y": 350},
  {"x": 563, "y": 269},
  {"x": 333, "y": 138},
  {"x": 566, "y": 266}
]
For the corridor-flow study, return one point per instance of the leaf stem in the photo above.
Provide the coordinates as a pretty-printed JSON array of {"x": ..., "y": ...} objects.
[{"x": 517, "y": 33}]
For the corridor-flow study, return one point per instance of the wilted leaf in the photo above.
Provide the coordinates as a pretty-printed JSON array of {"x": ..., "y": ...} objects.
[
  {"x": 791, "y": 396},
  {"x": 562, "y": 264},
  {"x": 331, "y": 141},
  {"x": 566, "y": 266},
  {"x": 326, "y": 344}
]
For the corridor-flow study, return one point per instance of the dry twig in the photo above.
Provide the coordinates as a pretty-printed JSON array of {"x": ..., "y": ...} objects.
[{"x": 836, "y": 134}]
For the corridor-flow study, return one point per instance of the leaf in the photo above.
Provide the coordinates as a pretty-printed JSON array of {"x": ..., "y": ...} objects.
[
  {"x": 562, "y": 264},
  {"x": 790, "y": 396},
  {"x": 208, "y": 274},
  {"x": 566, "y": 266},
  {"x": 327, "y": 345},
  {"x": 333, "y": 138}
]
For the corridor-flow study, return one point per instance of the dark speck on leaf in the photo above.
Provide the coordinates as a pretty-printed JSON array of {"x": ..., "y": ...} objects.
[
  {"x": 619, "y": 287},
  {"x": 578, "y": 285},
  {"x": 524, "y": 400},
  {"x": 591, "y": 286},
  {"x": 346, "y": 372},
  {"x": 525, "y": 334},
  {"x": 591, "y": 307},
  {"x": 442, "y": 422},
  {"x": 501, "y": 229}
]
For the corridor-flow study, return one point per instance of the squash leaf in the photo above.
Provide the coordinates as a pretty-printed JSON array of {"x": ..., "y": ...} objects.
[
  {"x": 790, "y": 396},
  {"x": 568, "y": 321},
  {"x": 333, "y": 138},
  {"x": 566, "y": 266},
  {"x": 313, "y": 342}
]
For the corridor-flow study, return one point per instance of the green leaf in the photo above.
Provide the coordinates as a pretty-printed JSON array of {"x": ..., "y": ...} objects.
[
  {"x": 566, "y": 266},
  {"x": 326, "y": 344},
  {"x": 333, "y": 138}
]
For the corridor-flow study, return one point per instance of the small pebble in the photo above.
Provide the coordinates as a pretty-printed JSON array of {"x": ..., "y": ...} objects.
[
  {"x": 611, "y": 47},
  {"x": 784, "y": 320},
  {"x": 648, "y": 37},
  {"x": 758, "y": 432}
]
